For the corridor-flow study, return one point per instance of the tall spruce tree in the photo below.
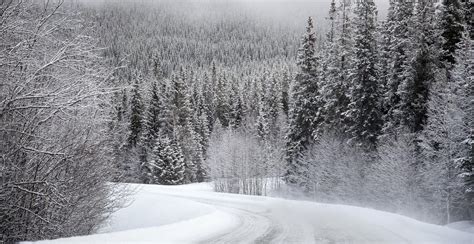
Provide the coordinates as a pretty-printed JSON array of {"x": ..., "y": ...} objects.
[
  {"x": 222, "y": 100},
  {"x": 364, "y": 109},
  {"x": 304, "y": 107},
  {"x": 285, "y": 90},
  {"x": 153, "y": 115},
  {"x": 166, "y": 164},
  {"x": 452, "y": 28},
  {"x": 208, "y": 105},
  {"x": 263, "y": 118},
  {"x": 336, "y": 61},
  {"x": 236, "y": 113},
  {"x": 183, "y": 126},
  {"x": 399, "y": 37},
  {"x": 136, "y": 116},
  {"x": 413, "y": 91}
]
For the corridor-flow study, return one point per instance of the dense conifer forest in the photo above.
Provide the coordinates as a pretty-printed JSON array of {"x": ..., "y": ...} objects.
[{"x": 354, "y": 105}]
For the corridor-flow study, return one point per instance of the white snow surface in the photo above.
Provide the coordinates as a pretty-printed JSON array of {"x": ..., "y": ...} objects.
[
  {"x": 467, "y": 226},
  {"x": 195, "y": 214}
]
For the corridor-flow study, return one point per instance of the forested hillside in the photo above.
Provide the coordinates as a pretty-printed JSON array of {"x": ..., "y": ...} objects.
[
  {"x": 350, "y": 105},
  {"x": 362, "y": 110}
]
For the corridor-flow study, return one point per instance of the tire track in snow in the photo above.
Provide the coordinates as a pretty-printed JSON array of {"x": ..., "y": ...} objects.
[{"x": 267, "y": 220}]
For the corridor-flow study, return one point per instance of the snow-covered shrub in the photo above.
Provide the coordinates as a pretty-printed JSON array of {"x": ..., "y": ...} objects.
[
  {"x": 393, "y": 180},
  {"x": 333, "y": 170},
  {"x": 238, "y": 163}
]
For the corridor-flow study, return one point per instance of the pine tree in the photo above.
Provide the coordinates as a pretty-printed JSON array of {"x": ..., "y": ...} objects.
[
  {"x": 332, "y": 21},
  {"x": 222, "y": 101},
  {"x": 345, "y": 41},
  {"x": 336, "y": 61},
  {"x": 183, "y": 126},
  {"x": 208, "y": 105},
  {"x": 136, "y": 119},
  {"x": 165, "y": 109},
  {"x": 153, "y": 115},
  {"x": 200, "y": 144},
  {"x": 399, "y": 36},
  {"x": 285, "y": 90},
  {"x": 236, "y": 107},
  {"x": 273, "y": 94},
  {"x": 305, "y": 107},
  {"x": 364, "y": 109},
  {"x": 414, "y": 91},
  {"x": 166, "y": 165},
  {"x": 452, "y": 28},
  {"x": 263, "y": 123},
  {"x": 385, "y": 43}
]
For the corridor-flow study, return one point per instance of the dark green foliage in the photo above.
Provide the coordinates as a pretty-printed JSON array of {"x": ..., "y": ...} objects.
[
  {"x": 451, "y": 24},
  {"x": 136, "y": 113},
  {"x": 364, "y": 109},
  {"x": 305, "y": 107},
  {"x": 166, "y": 165}
]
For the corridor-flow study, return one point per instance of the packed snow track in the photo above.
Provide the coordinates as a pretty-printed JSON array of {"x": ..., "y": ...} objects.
[{"x": 195, "y": 214}]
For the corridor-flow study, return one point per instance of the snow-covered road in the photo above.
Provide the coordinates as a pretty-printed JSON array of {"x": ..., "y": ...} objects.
[{"x": 195, "y": 214}]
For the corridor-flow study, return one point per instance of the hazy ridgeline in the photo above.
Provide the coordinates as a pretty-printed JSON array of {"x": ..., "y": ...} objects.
[{"x": 197, "y": 32}]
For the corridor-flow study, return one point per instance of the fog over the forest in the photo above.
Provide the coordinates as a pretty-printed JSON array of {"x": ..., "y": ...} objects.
[{"x": 291, "y": 13}]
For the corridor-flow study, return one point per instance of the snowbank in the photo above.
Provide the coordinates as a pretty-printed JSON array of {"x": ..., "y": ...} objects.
[
  {"x": 195, "y": 214},
  {"x": 467, "y": 226},
  {"x": 153, "y": 215}
]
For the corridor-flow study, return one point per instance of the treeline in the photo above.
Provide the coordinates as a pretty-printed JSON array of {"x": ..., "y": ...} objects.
[
  {"x": 382, "y": 116},
  {"x": 163, "y": 131},
  {"x": 55, "y": 93}
]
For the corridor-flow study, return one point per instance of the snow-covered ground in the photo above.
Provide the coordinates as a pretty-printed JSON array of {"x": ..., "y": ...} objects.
[
  {"x": 196, "y": 214},
  {"x": 467, "y": 226}
]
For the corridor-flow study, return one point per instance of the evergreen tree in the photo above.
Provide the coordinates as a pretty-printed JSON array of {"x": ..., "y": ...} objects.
[
  {"x": 184, "y": 132},
  {"x": 285, "y": 90},
  {"x": 273, "y": 94},
  {"x": 414, "y": 90},
  {"x": 263, "y": 123},
  {"x": 166, "y": 165},
  {"x": 153, "y": 115},
  {"x": 399, "y": 37},
  {"x": 136, "y": 113},
  {"x": 236, "y": 107},
  {"x": 452, "y": 28},
  {"x": 222, "y": 101},
  {"x": 305, "y": 107},
  {"x": 201, "y": 141},
  {"x": 332, "y": 21},
  {"x": 208, "y": 105},
  {"x": 334, "y": 87},
  {"x": 385, "y": 43},
  {"x": 364, "y": 109},
  {"x": 345, "y": 39}
]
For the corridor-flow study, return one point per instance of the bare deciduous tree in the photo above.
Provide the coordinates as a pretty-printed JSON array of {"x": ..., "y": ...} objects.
[{"x": 54, "y": 96}]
